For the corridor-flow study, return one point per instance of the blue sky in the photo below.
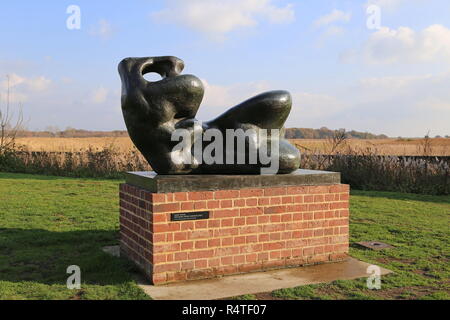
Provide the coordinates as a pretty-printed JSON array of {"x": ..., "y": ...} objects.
[{"x": 391, "y": 79}]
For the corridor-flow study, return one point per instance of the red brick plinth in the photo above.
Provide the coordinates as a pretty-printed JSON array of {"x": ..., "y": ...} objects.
[{"x": 248, "y": 230}]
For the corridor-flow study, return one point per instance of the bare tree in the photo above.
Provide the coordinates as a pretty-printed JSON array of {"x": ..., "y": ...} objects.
[
  {"x": 425, "y": 146},
  {"x": 333, "y": 145},
  {"x": 54, "y": 130},
  {"x": 338, "y": 140},
  {"x": 8, "y": 127}
]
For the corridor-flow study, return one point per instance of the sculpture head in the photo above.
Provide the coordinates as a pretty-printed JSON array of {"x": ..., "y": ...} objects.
[{"x": 175, "y": 96}]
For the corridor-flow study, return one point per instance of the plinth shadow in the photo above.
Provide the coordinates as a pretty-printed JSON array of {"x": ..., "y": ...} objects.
[{"x": 43, "y": 256}]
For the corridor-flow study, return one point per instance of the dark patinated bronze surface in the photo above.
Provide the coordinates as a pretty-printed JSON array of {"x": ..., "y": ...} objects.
[{"x": 154, "y": 110}]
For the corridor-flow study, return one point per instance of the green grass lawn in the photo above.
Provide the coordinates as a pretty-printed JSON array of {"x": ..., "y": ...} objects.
[{"x": 50, "y": 223}]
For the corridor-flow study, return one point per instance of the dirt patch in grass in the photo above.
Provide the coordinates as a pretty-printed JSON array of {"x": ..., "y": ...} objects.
[
  {"x": 388, "y": 260},
  {"x": 266, "y": 296},
  {"x": 405, "y": 293},
  {"x": 78, "y": 295}
]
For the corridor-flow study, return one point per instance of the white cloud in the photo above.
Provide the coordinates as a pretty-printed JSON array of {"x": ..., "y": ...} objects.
[
  {"x": 99, "y": 95},
  {"x": 400, "y": 105},
  {"x": 314, "y": 106},
  {"x": 216, "y": 18},
  {"x": 333, "y": 17},
  {"x": 394, "y": 105},
  {"x": 39, "y": 83},
  {"x": 404, "y": 45},
  {"x": 333, "y": 31},
  {"x": 103, "y": 29},
  {"x": 329, "y": 23},
  {"x": 22, "y": 87},
  {"x": 219, "y": 98},
  {"x": 396, "y": 83},
  {"x": 12, "y": 80},
  {"x": 307, "y": 107},
  {"x": 434, "y": 104}
]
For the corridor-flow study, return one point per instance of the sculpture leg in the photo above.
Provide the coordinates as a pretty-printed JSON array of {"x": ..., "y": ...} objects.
[{"x": 266, "y": 111}]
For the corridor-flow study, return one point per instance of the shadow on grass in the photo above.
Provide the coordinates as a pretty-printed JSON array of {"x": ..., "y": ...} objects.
[
  {"x": 43, "y": 256},
  {"x": 21, "y": 176},
  {"x": 43, "y": 177},
  {"x": 402, "y": 196}
]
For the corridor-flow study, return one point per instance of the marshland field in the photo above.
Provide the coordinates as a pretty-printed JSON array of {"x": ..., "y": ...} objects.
[{"x": 392, "y": 146}]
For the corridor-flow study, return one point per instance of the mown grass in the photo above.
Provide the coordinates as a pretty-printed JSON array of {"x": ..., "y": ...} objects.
[
  {"x": 418, "y": 227},
  {"x": 50, "y": 223}
]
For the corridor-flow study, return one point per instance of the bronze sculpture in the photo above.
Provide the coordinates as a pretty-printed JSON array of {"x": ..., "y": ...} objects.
[{"x": 153, "y": 111}]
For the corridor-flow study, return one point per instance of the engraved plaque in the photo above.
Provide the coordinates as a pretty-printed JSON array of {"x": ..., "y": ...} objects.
[{"x": 187, "y": 216}]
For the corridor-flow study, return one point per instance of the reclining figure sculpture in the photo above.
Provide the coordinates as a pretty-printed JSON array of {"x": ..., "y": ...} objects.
[{"x": 153, "y": 111}]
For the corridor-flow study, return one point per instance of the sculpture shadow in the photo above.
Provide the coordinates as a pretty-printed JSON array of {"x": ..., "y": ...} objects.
[{"x": 43, "y": 256}]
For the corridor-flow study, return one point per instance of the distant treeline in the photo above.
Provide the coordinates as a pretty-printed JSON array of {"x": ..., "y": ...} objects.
[
  {"x": 292, "y": 133},
  {"x": 71, "y": 133},
  {"x": 325, "y": 133}
]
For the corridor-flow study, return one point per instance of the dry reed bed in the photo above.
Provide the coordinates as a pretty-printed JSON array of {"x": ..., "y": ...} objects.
[
  {"x": 395, "y": 147},
  {"x": 428, "y": 175},
  {"x": 107, "y": 163}
]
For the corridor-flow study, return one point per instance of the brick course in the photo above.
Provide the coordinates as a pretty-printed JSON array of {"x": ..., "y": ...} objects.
[{"x": 248, "y": 230}]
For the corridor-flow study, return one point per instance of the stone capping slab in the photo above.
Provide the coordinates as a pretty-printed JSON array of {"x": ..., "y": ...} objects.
[{"x": 155, "y": 183}]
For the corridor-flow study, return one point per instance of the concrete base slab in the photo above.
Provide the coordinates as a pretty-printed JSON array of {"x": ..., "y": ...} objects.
[
  {"x": 201, "y": 182},
  {"x": 258, "y": 282},
  {"x": 252, "y": 283}
]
